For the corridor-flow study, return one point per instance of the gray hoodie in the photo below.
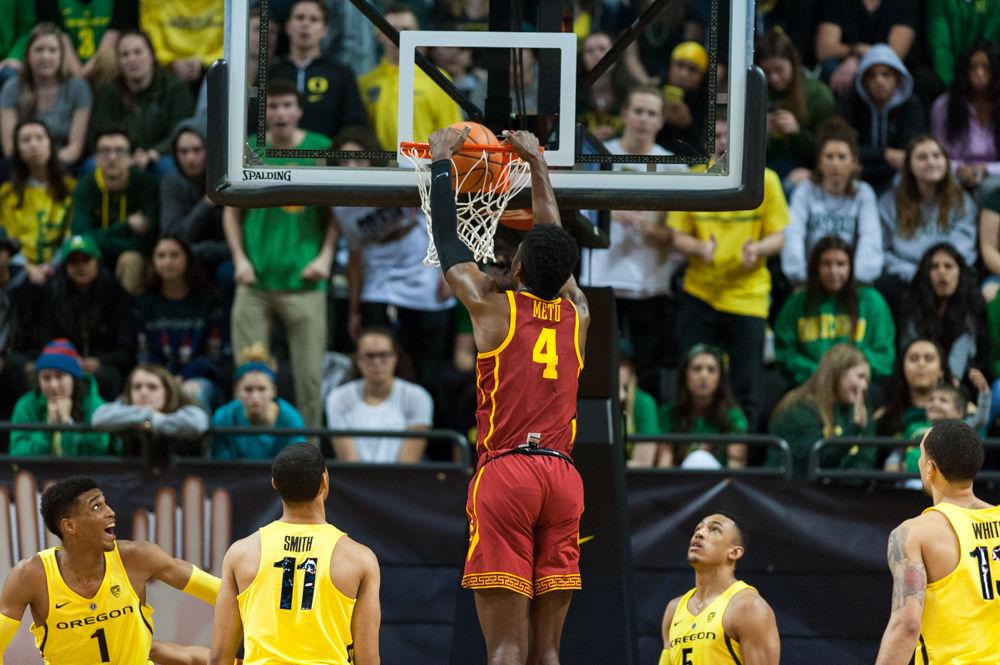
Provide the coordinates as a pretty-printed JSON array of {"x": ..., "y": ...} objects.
[{"x": 188, "y": 422}]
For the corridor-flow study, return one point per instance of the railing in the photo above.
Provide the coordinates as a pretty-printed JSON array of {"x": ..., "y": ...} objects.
[
  {"x": 816, "y": 472},
  {"x": 460, "y": 445},
  {"x": 784, "y": 471}
]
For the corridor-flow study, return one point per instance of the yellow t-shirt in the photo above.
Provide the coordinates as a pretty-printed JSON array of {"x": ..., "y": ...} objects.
[
  {"x": 182, "y": 29},
  {"x": 698, "y": 639},
  {"x": 432, "y": 107},
  {"x": 962, "y": 609},
  {"x": 292, "y": 612},
  {"x": 40, "y": 223},
  {"x": 112, "y": 627},
  {"x": 725, "y": 285}
]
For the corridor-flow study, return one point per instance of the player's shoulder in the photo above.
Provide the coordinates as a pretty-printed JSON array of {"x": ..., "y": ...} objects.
[
  {"x": 356, "y": 555},
  {"x": 671, "y": 610},
  {"x": 246, "y": 546},
  {"x": 747, "y": 610},
  {"x": 26, "y": 578},
  {"x": 923, "y": 526}
]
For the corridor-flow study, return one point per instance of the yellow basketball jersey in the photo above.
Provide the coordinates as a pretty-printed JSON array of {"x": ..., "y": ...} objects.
[
  {"x": 962, "y": 609},
  {"x": 698, "y": 639},
  {"x": 292, "y": 612},
  {"x": 112, "y": 627}
]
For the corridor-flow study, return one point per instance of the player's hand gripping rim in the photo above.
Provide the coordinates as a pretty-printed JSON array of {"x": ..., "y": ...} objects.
[{"x": 446, "y": 142}]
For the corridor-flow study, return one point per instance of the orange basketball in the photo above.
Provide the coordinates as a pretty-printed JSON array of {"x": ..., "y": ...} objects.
[
  {"x": 472, "y": 173},
  {"x": 519, "y": 219}
]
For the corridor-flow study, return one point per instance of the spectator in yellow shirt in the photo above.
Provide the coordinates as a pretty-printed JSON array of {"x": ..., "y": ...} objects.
[
  {"x": 727, "y": 285},
  {"x": 432, "y": 107},
  {"x": 35, "y": 202},
  {"x": 186, "y": 34}
]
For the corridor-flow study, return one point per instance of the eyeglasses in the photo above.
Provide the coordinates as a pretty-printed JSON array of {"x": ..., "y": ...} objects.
[
  {"x": 372, "y": 356},
  {"x": 112, "y": 152}
]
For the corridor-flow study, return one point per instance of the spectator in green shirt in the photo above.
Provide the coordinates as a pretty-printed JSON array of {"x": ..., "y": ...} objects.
[
  {"x": 832, "y": 403},
  {"x": 954, "y": 25},
  {"x": 703, "y": 404},
  {"x": 920, "y": 367},
  {"x": 16, "y": 20},
  {"x": 282, "y": 259},
  {"x": 832, "y": 309}
]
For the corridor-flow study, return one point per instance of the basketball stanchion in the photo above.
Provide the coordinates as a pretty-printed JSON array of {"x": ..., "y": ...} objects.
[{"x": 486, "y": 175}]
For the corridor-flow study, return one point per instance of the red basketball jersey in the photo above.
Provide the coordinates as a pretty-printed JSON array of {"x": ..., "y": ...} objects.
[{"x": 526, "y": 388}]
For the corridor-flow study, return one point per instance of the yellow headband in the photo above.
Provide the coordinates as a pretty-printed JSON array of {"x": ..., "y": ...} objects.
[{"x": 692, "y": 52}]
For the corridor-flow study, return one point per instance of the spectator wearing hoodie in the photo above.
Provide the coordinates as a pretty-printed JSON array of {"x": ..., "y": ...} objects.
[
  {"x": 86, "y": 305},
  {"x": 885, "y": 112},
  {"x": 185, "y": 209},
  {"x": 927, "y": 207},
  {"x": 118, "y": 205},
  {"x": 63, "y": 395}
]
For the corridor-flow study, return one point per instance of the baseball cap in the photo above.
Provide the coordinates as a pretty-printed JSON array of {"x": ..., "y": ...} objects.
[{"x": 80, "y": 243}]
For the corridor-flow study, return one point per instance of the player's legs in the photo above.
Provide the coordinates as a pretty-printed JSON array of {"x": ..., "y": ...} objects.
[
  {"x": 503, "y": 617},
  {"x": 548, "y": 614}
]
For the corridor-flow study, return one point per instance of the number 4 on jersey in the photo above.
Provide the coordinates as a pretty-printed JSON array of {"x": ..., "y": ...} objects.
[{"x": 545, "y": 353}]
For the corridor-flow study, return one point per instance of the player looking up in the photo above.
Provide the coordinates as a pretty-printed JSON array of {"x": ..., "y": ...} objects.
[
  {"x": 944, "y": 597},
  {"x": 526, "y": 497},
  {"x": 88, "y": 596},
  {"x": 720, "y": 620},
  {"x": 298, "y": 590}
]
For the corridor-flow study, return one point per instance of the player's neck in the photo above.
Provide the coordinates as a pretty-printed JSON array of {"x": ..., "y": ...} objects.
[
  {"x": 959, "y": 496},
  {"x": 81, "y": 564},
  {"x": 711, "y": 582},
  {"x": 310, "y": 513}
]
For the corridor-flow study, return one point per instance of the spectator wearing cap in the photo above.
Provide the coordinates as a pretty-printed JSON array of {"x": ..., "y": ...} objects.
[
  {"x": 35, "y": 202},
  {"x": 63, "y": 395},
  {"x": 118, "y": 204},
  {"x": 84, "y": 304},
  {"x": 11, "y": 379},
  {"x": 256, "y": 405},
  {"x": 685, "y": 108}
]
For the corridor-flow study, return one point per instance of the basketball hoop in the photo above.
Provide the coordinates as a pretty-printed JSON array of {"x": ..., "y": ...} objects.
[{"x": 491, "y": 175}]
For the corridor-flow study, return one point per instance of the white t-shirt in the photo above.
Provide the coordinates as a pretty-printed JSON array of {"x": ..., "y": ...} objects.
[
  {"x": 635, "y": 269},
  {"x": 406, "y": 406},
  {"x": 393, "y": 271}
]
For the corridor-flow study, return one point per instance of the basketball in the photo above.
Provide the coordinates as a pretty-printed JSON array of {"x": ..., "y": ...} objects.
[
  {"x": 472, "y": 172},
  {"x": 519, "y": 219}
]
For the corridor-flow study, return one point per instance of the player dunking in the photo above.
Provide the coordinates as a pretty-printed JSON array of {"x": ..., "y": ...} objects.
[
  {"x": 720, "y": 620},
  {"x": 945, "y": 603},
  {"x": 87, "y": 597},
  {"x": 298, "y": 590},
  {"x": 526, "y": 497}
]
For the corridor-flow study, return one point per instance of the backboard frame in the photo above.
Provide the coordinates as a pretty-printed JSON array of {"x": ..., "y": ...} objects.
[{"x": 232, "y": 182}]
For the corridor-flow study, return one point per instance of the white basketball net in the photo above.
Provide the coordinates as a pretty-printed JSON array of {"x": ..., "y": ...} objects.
[{"x": 479, "y": 211}]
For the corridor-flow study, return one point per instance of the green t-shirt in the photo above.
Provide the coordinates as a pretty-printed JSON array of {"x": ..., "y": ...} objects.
[
  {"x": 86, "y": 23},
  {"x": 280, "y": 242},
  {"x": 737, "y": 422}
]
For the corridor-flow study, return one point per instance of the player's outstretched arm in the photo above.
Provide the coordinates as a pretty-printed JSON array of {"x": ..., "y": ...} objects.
[
  {"x": 909, "y": 587},
  {"x": 168, "y": 653},
  {"x": 469, "y": 284},
  {"x": 367, "y": 617},
  {"x": 227, "y": 625},
  {"x": 750, "y": 621},
  {"x": 668, "y": 617},
  {"x": 544, "y": 207},
  {"x": 158, "y": 565},
  {"x": 21, "y": 583}
]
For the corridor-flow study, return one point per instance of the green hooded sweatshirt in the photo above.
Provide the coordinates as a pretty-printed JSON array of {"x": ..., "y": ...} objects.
[
  {"x": 801, "y": 339},
  {"x": 32, "y": 408},
  {"x": 801, "y": 426}
]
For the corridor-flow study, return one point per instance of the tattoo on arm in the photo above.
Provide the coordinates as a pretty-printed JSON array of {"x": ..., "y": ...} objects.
[{"x": 909, "y": 577}]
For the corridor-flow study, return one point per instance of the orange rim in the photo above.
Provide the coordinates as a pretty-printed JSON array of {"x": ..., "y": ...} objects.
[{"x": 423, "y": 150}]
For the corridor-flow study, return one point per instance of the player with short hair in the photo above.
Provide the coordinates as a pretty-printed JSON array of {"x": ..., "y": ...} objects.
[
  {"x": 298, "y": 590},
  {"x": 88, "y": 596},
  {"x": 526, "y": 497},
  {"x": 944, "y": 594},
  {"x": 738, "y": 624}
]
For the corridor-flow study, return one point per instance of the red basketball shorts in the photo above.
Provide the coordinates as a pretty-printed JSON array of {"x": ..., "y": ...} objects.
[{"x": 524, "y": 525}]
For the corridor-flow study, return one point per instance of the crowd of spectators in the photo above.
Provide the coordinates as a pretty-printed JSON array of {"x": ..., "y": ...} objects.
[{"x": 858, "y": 298}]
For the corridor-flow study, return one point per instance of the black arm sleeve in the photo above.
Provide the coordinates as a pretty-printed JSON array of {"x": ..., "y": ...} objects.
[{"x": 444, "y": 221}]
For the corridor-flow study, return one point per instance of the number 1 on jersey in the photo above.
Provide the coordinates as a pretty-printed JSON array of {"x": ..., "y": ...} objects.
[
  {"x": 545, "y": 353},
  {"x": 102, "y": 644}
]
